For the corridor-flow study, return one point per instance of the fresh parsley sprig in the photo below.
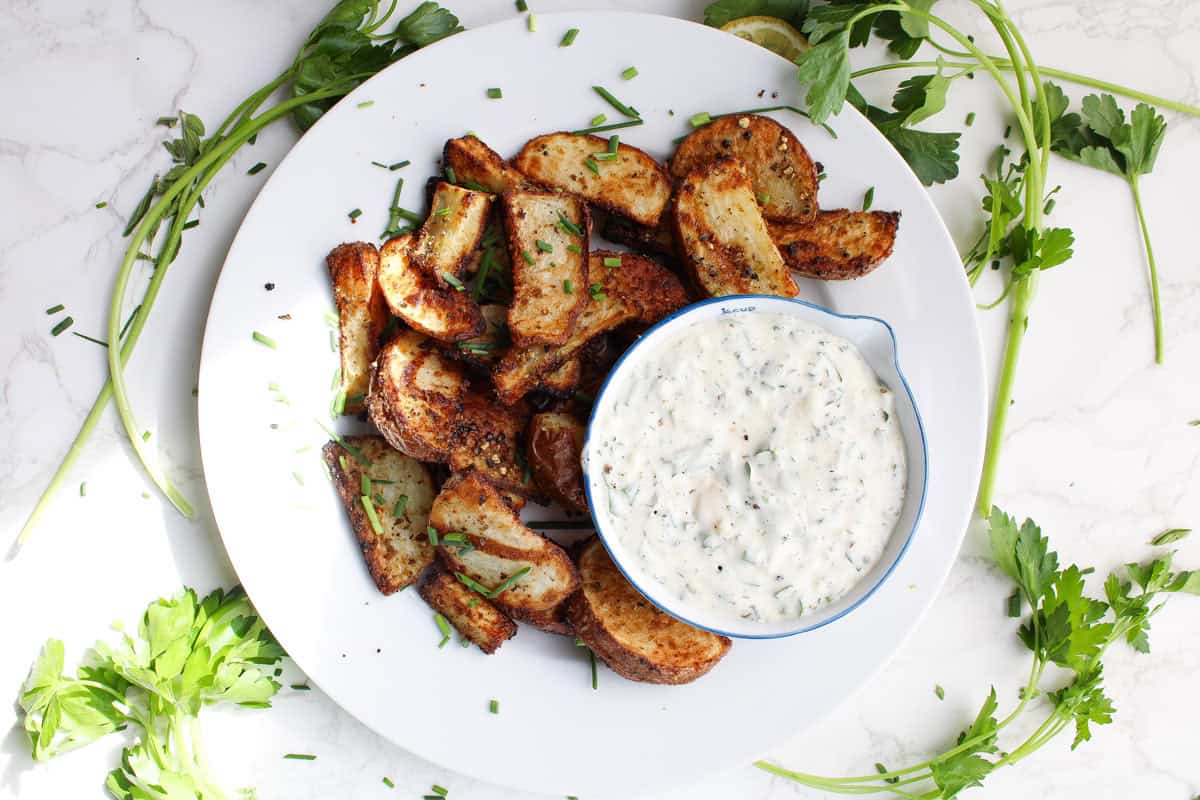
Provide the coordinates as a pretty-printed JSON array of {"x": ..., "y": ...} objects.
[
  {"x": 1065, "y": 628},
  {"x": 187, "y": 653}
]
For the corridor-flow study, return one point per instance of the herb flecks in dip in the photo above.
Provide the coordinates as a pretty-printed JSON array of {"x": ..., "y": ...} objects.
[{"x": 752, "y": 465}]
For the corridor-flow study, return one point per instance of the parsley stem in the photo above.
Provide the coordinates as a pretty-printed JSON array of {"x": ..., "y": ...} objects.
[{"x": 1158, "y": 325}]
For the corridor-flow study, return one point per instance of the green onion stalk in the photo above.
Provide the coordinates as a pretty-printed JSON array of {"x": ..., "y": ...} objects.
[{"x": 343, "y": 50}]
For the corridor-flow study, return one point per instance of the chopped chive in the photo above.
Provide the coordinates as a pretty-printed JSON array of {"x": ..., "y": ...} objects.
[
  {"x": 508, "y": 583},
  {"x": 570, "y": 226},
  {"x": 366, "y": 104},
  {"x": 457, "y": 537},
  {"x": 868, "y": 198},
  {"x": 450, "y": 176},
  {"x": 473, "y": 602},
  {"x": 591, "y": 164},
  {"x": 472, "y": 584},
  {"x": 439, "y": 790},
  {"x": 364, "y": 484},
  {"x": 697, "y": 120},
  {"x": 102, "y": 204},
  {"x": 614, "y": 142},
  {"x": 574, "y": 248},
  {"x": 544, "y": 246},
  {"x": 142, "y": 207},
  {"x": 599, "y": 119},
  {"x": 1049, "y": 207},
  {"x": 333, "y": 342},
  {"x": 349, "y": 448},
  {"x": 388, "y": 782},
  {"x": 301, "y": 687},
  {"x": 597, "y": 292},
  {"x": 525, "y": 255},
  {"x": 398, "y": 165},
  {"x": 355, "y": 213},
  {"x": 263, "y": 339},
  {"x": 763, "y": 199},
  {"x": 532, "y": 23},
  {"x": 562, "y": 525},
  {"x": 444, "y": 627},
  {"x": 595, "y": 677},
  {"x": 1008, "y": 131},
  {"x": 379, "y": 164},
  {"x": 630, "y": 73},
  {"x": 369, "y": 507},
  {"x": 300, "y": 757},
  {"x": 455, "y": 282},
  {"x": 522, "y": 6},
  {"x": 432, "y": 533},
  {"x": 145, "y": 436},
  {"x": 939, "y": 691},
  {"x": 65, "y": 323},
  {"x": 1014, "y": 604},
  {"x": 89, "y": 338},
  {"x": 168, "y": 122},
  {"x": 54, "y": 309},
  {"x": 253, "y": 140},
  {"x": 612, "y": 261},
  {"x": 494, "y": 706},
  {"x": 970, "y": 120},
  {"x": 569, "y": 39},
  {"x": 441, "y": 212},
  {"x": 401, "y": 504},
  {"x": 605, "y": 156},
  {"x": 257, "y": 168},
  {"x": 83, "y": 489},
  {"x": 628, "y": 111},
  {"x": 495, "y": 93},
  {"x": 633, "y": 123},
  {"x": 583, "y": 397},
  {"x": 187, "y": 226},
  {"x": 568, "y": 287}
]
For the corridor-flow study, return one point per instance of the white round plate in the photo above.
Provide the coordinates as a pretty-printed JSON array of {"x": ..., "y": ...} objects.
[{"x": 291, "y": 544}]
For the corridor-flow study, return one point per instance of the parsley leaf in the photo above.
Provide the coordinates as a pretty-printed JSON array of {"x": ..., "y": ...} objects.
[
  {"x": 724, "y": 11},
  {"x": 826, "y": 70}
]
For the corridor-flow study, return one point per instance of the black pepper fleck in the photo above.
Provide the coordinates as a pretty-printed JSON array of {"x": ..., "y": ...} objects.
[{"x": 270, "y": 287}]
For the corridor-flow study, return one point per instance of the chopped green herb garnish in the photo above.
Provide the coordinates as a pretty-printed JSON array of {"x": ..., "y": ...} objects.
[
  {"x": 939, "y": 691},
  {"x": 432, "y": 533},
  {"x": 614, "y": 142},
  {"x": 868, "y": 199},
  {"x": 187, "y": 226},
  {"x": 473, "y": 602},
  {"x": 364, "y": 484},
  {"x": 633, "y": 123},
  {"x": 612, "y": 261},
  {"x": 591, "y": 164},
  {"x": 597, "y": 291},
  {"x": 569, "y": 225},
  {"x": 525, "y": 255},
  {"x": 455, "y": 282},
  {"x": 450, "y": 176},
  {"x": 1014, "y": 604},
  {"x": 167, "y": 122},
  {"x": 301, "y": 687},
  {"x": 263, "y": 339},
  {"x": 441, "y": 212},
  {"x": 388, "y": 782},
  {"x": 599, "y": 119},
  {"x": 532, "y": 23},
  {"x": 300, "y": 757},
  {"x": 544, "y": 246},
  {"x": 444, "y": 627},
  {"x": 398, "y": 165},
  {"x": 401, "y": 504},
  {"x": 494, "y": 93},
  {"x": 569, "y": 39},
  {"x": 366, "y": 104},
  {"x": 145, "y": 436},
  {"x": 494, "y": 706},
  {"x": 700, "y": 119},
  {"x": 595, "y": 676},
  {"x": 605, "y": 156},
  {"x": 54, "y": 309},
  {"x": 369, "y": 507},
  {"x": 970, "y": 120},
  {"x": 439, "y": 790},
  {"x": 568, "y": 287},
  {"x": 379, "y": 164},
  {"x": 576, "y": 249},
  {"x": 89, "y": 338},
  {"x": 508, "y": 583},
  {"x": 629, "y": 73},
  {"x": 355, "y": 213},
  {"x": 83, "y": 489},
  {"x": 608, "y": 96},
  {"x": 1170, "y": 536},
  {"x": 257, "y": 168},
  {"x": 101, "y": 204},
  {"x": 522, "y": 6},
  {"x": 65, "y": 323}
]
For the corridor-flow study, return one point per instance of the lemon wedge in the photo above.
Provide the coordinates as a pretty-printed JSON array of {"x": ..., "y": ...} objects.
[{"x": 770, "y": 32}]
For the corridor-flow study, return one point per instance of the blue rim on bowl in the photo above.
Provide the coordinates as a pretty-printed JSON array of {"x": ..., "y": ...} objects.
[{"x": 914, "y": 437}]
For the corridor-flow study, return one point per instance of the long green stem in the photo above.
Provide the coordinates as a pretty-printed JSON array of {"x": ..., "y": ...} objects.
[{"x": 1158, "y": 323}]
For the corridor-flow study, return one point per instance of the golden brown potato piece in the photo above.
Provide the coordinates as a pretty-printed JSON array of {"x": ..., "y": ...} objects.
[
  {"x": 400, "y": 492},
  {"x": 630, "y": 635},
  {"x": 632, "y": 184},
  {"x": 362, "y": 316},
  {"x": 563, "y": 381},
  {"x": 442, "y": 312},
  {"x": 839, "y": 244},
  {"x": 483, "y": 539},
  {"x": 547, "y": 247},
  {"x": 422, "y": 403},
  {"x": 444, "y": 244},
  {"x": 555, "y": 444},
  {"x": 474, "y": 617},
  {"x": 783, "y": 176},
  {"x": 722, "y": 237},
  {"x": 639, "y": 289},
  {"x": 477, "y": 166}
]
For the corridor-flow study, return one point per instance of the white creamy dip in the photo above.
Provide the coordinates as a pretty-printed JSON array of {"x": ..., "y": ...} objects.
[{"x": 753, "y": 465}]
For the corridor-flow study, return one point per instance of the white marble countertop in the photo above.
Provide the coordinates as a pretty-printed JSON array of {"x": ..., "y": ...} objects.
[{"x": 1098, "y": 450}]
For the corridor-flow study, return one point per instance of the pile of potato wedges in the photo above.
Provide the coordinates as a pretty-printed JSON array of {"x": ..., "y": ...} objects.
[{"x": 474, "y": 343}]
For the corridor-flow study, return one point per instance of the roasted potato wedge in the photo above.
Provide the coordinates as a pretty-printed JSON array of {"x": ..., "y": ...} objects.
[
  {"x": 632, "y": 184},
  {"x": 471, "y": 615},
  {"x": 555, "y": 445},
  {"x": 782, "y": 175},
  {"x": 423, "y": 404},
  {"x": 477, "y": 166},
  {"x": 722, "y": 237},
  {"x": 437, "y": 310},
  {"x": 482, "y": 351},
  {"x": 837, "y": 245},
  {"x": 630, "y": 635},
  {"x": 659, "y": 239},
  {"x": 547, "y": 247},
  {"x": 551, "y": 621},
  {"x": 488, "y": 544},
  {"x": 362, "y": 316},
  {"x": 398, "y": 554},
  {"x": 445, "y": 241},
  {"x": 639, "y": 289}
]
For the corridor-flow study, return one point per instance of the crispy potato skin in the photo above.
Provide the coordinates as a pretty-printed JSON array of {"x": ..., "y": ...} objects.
[
  {"x": 838, "y": 244},
  {"x": 500, "y": 546},
  {"x": 563, "y": 381},
  {"x": 451, "y": 232},
  {"x": 640, "y": 289},
  {"x": 362, "y": 316},
  {"x": 423, "y": 404},
  {"x": 630, "y": 635},
  {"x": 434, "y": 309},
  {"x": 398, "y": 555},
  {"x": 555, "y": 445},
  {"x": 542, "y": 311},
  {"x": 471, "y": 615},
  {"x": 552, "y": 621},
  {"x": 722, "y": 237},
  {"x": 633, "y": 184},
  {"x": 782, "y": 173},
  {"x": 477, "y": 165},
  {"x": 659, "y": 239}
]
